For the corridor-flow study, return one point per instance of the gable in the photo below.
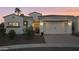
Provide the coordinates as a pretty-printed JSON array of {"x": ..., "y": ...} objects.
[
  {"x": 35, "y": 13},
  {"x": 10, "y": 15}
]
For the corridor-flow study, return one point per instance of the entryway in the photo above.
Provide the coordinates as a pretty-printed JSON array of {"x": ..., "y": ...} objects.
[{"x": 36, "y": 26}]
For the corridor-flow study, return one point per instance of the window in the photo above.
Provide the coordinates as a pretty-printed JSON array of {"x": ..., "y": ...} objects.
[
  {"x": 25, "y": 23},
  {"x": 13, "y": 24}
]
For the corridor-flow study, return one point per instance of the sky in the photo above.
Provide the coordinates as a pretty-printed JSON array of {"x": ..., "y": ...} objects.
[{"x": 44, "y": 10}]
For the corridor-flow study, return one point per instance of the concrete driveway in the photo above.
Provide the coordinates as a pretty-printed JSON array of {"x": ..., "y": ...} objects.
[{"x": 61, "y": 38}]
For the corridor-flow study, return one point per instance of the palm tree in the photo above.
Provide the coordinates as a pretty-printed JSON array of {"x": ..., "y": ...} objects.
[
  {"x": 17, "y": 11},
  {"x": 22, "y": 15}
]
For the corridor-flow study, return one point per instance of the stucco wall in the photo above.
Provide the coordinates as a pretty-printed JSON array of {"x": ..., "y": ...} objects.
[
  {"x": 48, "y": 26},
  {"x": 57, "y": 28},
  {"x": 35, "y": 15},
  {"x": 78, "y": 24},
  {"x": 15, "y": 19},
  {"x": 60, "y": 26}
]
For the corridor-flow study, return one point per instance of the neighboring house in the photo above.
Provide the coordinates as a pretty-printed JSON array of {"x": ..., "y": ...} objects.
[{"x": 48, "y": 24}]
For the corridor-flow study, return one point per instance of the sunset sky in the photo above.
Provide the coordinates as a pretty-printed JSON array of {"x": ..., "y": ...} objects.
[{"x": 44, "y": 10}]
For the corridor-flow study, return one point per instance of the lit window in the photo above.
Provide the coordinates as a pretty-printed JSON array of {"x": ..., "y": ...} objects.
[
  {"x": 41, "y": 23},
  {"x": 13, "y": 24},
  {"x": 10, "y": 24},
  {"x": 17, "y": 24}
]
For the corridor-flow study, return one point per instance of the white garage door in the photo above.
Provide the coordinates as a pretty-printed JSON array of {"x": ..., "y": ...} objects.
[{"x": 55, "y": 28}]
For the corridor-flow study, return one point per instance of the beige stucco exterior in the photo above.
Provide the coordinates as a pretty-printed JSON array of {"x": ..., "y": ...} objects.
[
  {"x": 77, "y": 24},
  {"x": 10, "y": 18},
  {"x": 56, "y": 25},
  {"x": 49, "y": 24}
]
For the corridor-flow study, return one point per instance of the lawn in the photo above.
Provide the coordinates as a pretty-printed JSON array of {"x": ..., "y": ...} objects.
[{"x": 21, "y": 39}]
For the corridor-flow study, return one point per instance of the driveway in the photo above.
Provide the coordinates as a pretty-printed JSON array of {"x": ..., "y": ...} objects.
[{"x": 61, "y": 38}]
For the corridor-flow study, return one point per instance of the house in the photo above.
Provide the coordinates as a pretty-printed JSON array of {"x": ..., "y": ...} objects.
[{"x": 48, "y": 24}]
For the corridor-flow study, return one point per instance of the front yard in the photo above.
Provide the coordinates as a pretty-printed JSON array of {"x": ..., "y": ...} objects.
[
  {"x": 21, "y": 39},
  {"x": 28, "y": 37}
]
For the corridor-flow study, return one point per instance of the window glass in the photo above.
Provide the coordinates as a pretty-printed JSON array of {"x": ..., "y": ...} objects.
[
  {"x": 13, "y": 24},
  {"x": 10, "y": 24}
]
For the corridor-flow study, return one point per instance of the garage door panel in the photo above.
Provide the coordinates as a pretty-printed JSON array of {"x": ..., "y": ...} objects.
[{"x": 54, "y": 28}]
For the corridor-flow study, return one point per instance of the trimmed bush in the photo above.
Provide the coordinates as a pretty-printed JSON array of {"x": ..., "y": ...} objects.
[
  {"x": 29, "y": 32},
  {"x": 11, "y": 34},
  {"x": 2, "y": 31}
]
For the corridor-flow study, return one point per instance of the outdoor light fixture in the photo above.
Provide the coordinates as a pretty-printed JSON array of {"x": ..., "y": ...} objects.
[
  {"x": 33, "y": 25},
  {"x": 69, "y": 23},
  {"x": 41, "y": 23}
]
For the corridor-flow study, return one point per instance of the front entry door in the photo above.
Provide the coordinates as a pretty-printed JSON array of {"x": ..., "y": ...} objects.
[
  {"x": 36, "y": 26},
  {"x": 36, "y": 30}
]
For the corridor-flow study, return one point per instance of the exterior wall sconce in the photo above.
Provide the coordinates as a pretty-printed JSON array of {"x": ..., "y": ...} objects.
[
  {"x": 33, "y": 25},
  {"x": 69, "y": 23},
  {"x": 41, "y": 23}
]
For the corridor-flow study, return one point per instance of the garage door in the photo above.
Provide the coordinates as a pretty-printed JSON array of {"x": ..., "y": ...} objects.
[{"x": 55, "y": 28}]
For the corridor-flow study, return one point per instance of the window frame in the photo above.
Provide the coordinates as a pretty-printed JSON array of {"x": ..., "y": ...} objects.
[{"x": 11, "y": 26}]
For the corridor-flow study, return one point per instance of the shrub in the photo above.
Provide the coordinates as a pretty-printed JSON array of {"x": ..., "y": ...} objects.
[
  {"x": 29, "y": 32},
  {"x": 2, "y": 31},
  {"x": 11, "y": 34}
]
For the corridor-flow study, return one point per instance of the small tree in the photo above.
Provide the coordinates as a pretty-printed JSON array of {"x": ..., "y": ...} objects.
[
  {"x": 2, "y": 25},
  {"x": 11, "y": 34},
  {"x": 2, "y": 29}
]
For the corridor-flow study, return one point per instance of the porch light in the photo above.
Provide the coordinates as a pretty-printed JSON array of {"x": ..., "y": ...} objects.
[
  {"x": 69, "y": 23},
  {"x": 41, "y": 23},
  {"x": 33, "y": 25}
]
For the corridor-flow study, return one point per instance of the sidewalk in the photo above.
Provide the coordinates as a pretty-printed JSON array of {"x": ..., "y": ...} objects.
[{"x": 39, "y": 45}]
